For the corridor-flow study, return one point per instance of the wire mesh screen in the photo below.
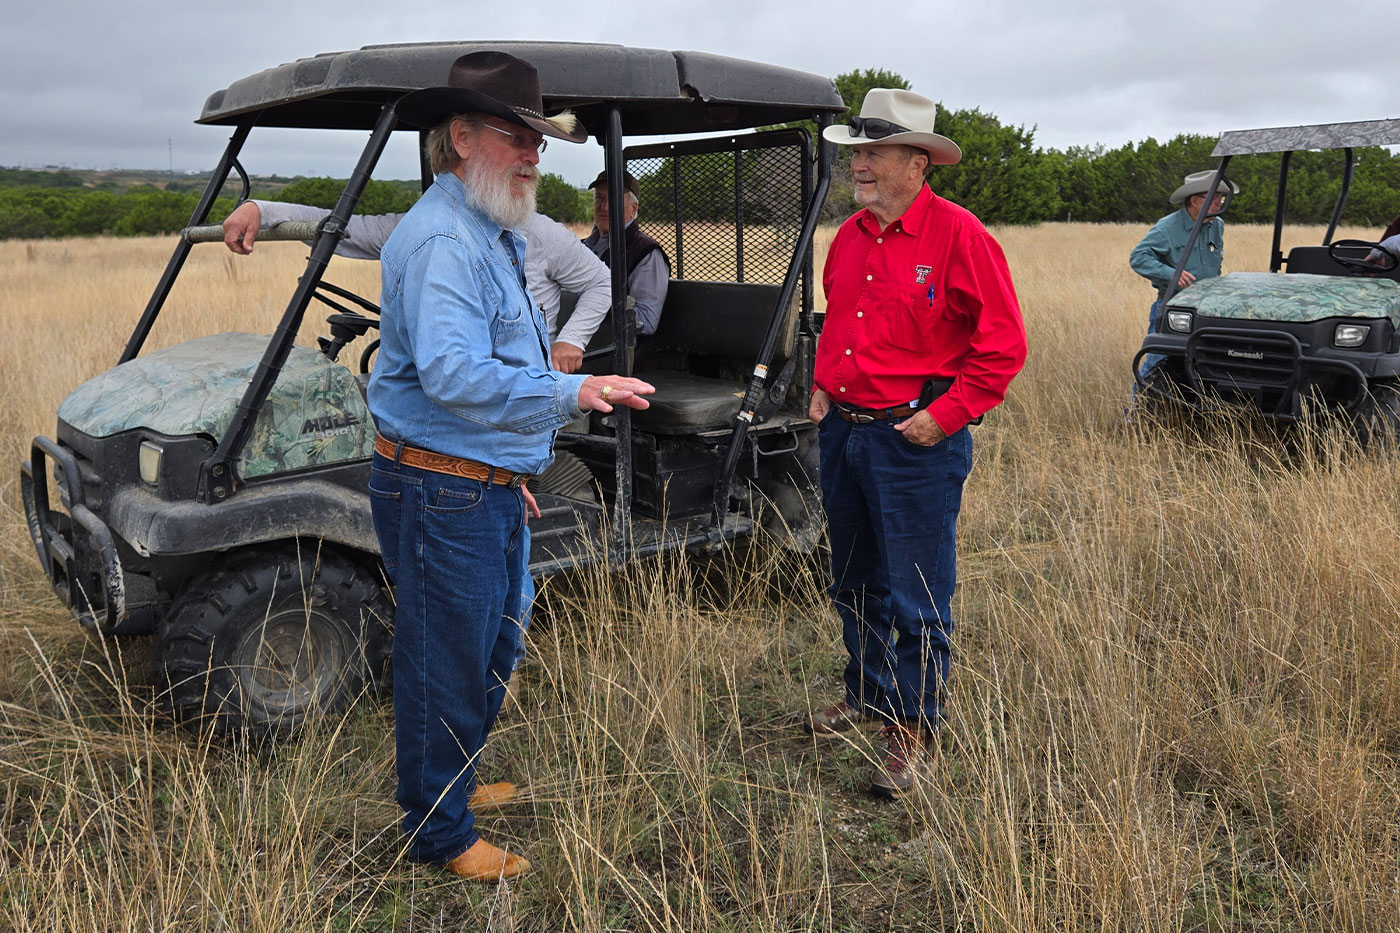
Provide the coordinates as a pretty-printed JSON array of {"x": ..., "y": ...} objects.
[{"x": 724, "y": 210}]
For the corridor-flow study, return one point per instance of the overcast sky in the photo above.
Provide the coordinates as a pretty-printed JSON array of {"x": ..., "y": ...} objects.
[{"x": 106, "y": 84}]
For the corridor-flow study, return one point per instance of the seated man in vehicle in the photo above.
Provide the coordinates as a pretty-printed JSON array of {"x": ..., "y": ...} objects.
[
  {"x": 648, "y": 269},
  {"x": 1389, "y": 241},
  {"x": 555, "y": 262}
]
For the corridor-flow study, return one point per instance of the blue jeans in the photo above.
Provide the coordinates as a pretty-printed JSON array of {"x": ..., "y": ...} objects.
[
  {"x": 892, "y": 511},
  {"x": 452, "y": 547},
  {"x": 1151, "y": 359}
]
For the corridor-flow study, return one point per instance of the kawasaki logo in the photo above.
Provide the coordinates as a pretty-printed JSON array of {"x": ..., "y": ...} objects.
[
  {"x": 329, "y": 425},
  {"x": 1241, "y": 355}
]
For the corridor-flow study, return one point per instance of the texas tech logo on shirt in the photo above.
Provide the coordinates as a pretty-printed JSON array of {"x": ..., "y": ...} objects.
[{"x": 921, "y": 274}]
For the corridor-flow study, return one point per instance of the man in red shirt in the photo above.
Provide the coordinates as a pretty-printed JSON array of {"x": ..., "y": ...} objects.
[{"x": 923, "y": 334}]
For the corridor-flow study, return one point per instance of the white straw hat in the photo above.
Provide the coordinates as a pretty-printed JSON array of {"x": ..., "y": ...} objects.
[
  {"x": 1199, "y": 183},
  {"x": 890, "y": 116}
]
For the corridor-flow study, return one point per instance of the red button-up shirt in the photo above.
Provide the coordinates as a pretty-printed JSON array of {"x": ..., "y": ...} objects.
[{"x": 930, "y": 297}]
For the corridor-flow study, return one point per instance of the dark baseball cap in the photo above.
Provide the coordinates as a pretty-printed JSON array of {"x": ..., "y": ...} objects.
[{"x": 629, "y": 183}]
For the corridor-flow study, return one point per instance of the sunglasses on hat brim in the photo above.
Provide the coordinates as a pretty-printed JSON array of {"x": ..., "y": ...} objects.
[{"x": 875, "y": 128}]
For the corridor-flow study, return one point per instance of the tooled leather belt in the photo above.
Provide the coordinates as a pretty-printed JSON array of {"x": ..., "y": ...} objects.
[{"x": 444, "y": 463}]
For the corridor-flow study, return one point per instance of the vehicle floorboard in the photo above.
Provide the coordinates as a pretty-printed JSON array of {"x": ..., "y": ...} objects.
[{"x": 570, "y": 533}]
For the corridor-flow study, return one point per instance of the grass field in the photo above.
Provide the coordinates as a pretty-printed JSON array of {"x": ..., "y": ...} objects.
[{"x": 1175, "y": 705}]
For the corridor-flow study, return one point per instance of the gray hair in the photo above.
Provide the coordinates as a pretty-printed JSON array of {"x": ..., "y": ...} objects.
[{"x": 442, "y": 152}]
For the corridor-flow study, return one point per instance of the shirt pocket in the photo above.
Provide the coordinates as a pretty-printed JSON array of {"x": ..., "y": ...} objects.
[
  {"x": 501, "y": 293},
  {"x": 911, "y": 316}
]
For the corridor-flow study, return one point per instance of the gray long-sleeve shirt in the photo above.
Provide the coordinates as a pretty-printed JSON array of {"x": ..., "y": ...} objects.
[
  {"x": 555, "y": 262},
  {"x": 646, "y": 285}
]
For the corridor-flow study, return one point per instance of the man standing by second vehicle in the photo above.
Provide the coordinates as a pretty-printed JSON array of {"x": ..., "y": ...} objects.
[
  {"x": 1156, "y": 255},
  {"x": 466, "y": 406},
  {"x": 923, "y": 334}
]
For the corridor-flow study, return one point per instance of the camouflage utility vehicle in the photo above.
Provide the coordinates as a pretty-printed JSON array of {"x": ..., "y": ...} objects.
[
  {"x": 214, "y": 493},
  {"x": 1318, "y": 333}
]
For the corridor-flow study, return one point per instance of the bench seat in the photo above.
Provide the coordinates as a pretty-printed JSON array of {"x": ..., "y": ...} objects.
[{"x": 685, "y": 404}]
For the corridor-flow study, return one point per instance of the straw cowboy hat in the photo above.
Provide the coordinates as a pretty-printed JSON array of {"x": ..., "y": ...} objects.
[
  {"x": 494, "y": 83},
  {"x": 1199, "y": 183},
  {"x": 890, "y": 116}
]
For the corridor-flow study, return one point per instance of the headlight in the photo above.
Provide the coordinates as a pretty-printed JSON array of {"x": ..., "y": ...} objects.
[
  {"x": 1351, "y": 335},
  {"x": 149, "y": 458},
  {"x": 1180, "y": 321}
]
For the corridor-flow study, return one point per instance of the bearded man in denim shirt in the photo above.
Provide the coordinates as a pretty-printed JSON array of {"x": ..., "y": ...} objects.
[{"x": 467, "y": 407}]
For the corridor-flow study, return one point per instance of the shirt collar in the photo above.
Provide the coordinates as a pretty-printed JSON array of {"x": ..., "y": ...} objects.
[
  {"x": 1185, "y": 216},
  {"x": 910, "y": 221}
]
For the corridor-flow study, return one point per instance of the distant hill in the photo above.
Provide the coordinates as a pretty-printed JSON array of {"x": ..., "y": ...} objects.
[
  {"x": 60, "y": 202},
  {"x": 118, "y": 180}
]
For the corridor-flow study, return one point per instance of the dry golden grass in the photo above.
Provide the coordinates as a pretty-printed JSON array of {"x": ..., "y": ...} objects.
[{"x": 1176, "y": 701}]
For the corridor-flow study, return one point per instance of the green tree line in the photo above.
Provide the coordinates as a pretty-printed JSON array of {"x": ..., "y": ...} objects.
[
  {"x": 1004, "y": 178},
  {"x": 64, "y": 208}
]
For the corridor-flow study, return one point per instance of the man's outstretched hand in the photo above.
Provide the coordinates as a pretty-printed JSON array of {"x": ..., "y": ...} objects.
[{"x": 601, "y": 393}]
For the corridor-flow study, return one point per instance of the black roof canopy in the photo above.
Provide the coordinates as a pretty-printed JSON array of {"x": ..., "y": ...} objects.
[{"x": 660, "y": 92}]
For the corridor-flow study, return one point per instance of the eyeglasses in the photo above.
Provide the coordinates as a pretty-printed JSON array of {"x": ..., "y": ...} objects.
[
  {"x": 520, "y": 141},
  {"x": 875, "y": 128}
]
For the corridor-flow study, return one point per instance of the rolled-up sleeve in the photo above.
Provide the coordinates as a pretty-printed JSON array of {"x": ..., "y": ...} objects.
[
  {"x": 365, "y": 235},
  {"x": 576, "y": 269}
]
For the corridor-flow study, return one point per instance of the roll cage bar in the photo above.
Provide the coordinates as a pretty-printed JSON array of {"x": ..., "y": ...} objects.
[
  {"x": 1287, "y": 140},
  {"x": 342, "y": 88}
]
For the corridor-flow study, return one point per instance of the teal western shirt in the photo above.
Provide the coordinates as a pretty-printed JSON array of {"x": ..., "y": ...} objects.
[{"x": 1156, "y": 256}]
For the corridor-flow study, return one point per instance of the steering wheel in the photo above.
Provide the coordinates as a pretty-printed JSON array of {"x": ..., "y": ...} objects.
[{"x": 1348, "y": 254}]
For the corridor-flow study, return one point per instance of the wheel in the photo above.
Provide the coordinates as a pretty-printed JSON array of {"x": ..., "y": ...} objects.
[
  {"x": 1356, "y": 256},
  {"x": 272, "y": 638},
  {"x": 1377, "y": 418}
]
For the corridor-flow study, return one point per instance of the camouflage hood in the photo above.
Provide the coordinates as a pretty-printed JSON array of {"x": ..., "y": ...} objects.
[
  {"x": 1265, "y": 296},
  {"x": 313, "y": 416}
]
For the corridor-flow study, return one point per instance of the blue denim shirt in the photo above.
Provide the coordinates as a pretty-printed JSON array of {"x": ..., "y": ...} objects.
[
  {"x": 463, "y": 364},
  {"x": 1155, "y": 257}
]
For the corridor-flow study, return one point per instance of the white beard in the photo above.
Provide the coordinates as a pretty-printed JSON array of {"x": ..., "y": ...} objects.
[{"x": 491, "y": 193}]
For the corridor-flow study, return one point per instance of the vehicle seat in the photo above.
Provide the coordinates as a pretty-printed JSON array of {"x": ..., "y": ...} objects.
[
  {"x": 717, "y": 319},
  {"x": 1314, "y": 260}
]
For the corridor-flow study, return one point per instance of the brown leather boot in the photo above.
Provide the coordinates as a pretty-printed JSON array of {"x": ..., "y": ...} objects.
[
  {"x": 908, "y": 760},
  {"x": 485, "y": 862},
  {"x": 492, "y": 796}
]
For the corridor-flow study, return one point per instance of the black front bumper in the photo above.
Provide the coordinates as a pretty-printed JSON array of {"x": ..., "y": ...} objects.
[
  {"x": 1271, "y": 371},
  {"x": 76, "y": 549}
]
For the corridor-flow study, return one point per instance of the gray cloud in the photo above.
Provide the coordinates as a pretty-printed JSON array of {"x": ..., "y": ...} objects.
[{"x": 102, "y": 85}]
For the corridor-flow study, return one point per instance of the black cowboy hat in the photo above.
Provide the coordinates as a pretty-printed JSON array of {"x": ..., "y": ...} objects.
[{"x": 494, "y": 83}]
